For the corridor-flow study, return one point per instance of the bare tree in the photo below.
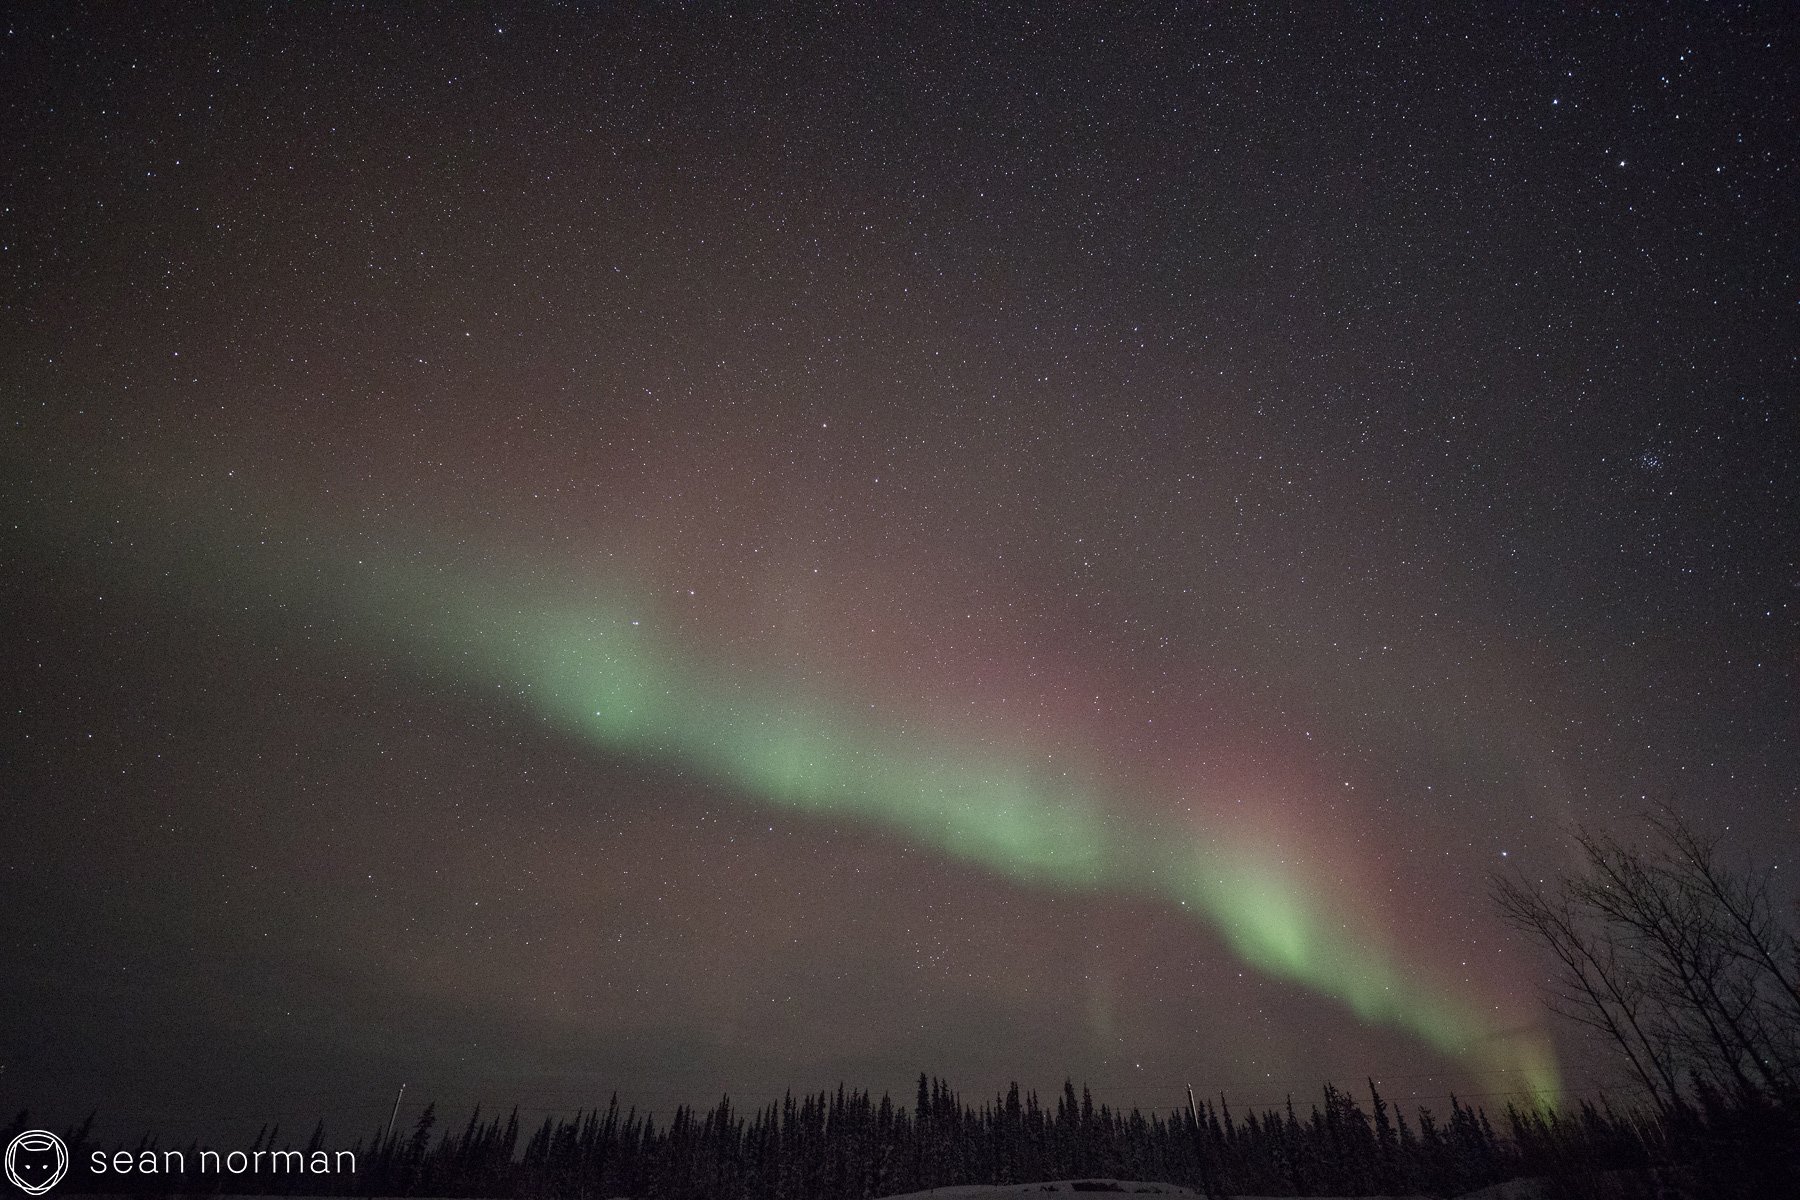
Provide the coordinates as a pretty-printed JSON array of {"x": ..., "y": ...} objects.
[
  {"x": 1680, "y": 961},
  {"x": 1746, "y": 923},
  {"x": 1593, "y": 986}
]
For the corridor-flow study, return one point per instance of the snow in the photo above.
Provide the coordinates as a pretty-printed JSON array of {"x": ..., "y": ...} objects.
[{"x": 1065, "y": 1188}]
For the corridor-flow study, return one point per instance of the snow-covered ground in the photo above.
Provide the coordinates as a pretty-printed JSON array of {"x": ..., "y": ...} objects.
[
  {"x": 1070, "y": 1189},
  {"x": 1067, "y": 1188}
]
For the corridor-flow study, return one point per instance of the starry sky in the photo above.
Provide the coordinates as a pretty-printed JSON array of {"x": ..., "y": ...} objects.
[{"x": 703, "y": 548}]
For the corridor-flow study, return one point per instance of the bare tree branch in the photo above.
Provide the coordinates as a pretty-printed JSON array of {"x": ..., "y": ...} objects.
[{"x": 1683, "y": 964}]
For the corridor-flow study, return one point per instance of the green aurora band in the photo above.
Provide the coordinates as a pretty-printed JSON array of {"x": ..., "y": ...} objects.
[
  {"x": 594, "y": 667},
  {"x": 597, "y": 671}
]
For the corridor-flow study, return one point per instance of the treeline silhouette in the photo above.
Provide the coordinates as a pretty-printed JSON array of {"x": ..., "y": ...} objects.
[{"x": 850, "y": 1145}]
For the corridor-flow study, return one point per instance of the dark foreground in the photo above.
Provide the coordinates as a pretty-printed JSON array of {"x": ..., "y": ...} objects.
[{"x": 853, "y": 1146}]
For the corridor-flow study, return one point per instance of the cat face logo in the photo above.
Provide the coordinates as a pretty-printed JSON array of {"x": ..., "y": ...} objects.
[{"x": 36, "y": 1160}]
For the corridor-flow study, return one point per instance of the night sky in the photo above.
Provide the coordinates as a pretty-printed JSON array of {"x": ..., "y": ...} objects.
[{"x": 690, "y": 549}]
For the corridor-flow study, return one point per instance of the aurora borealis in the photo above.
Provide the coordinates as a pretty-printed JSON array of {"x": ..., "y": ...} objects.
[{"x": 701, "y": 551}]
